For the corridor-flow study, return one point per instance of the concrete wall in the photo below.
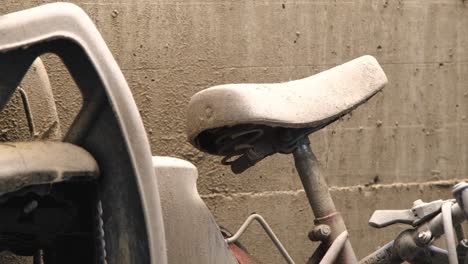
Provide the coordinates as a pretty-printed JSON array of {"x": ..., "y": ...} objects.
[{"x": 411, "y": 133}]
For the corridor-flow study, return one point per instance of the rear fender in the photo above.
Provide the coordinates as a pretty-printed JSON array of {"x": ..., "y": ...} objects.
[{"x": 191, "y": 230}]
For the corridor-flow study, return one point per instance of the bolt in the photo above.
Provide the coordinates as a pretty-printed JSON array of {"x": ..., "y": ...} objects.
[
  {"x": 319, "y": 233},
  {"x": 30, "y": 207},
  {"x": 115, "y": 13},
  {"x": 464, "y": 243},
  {"x": 424, "y": 238}
]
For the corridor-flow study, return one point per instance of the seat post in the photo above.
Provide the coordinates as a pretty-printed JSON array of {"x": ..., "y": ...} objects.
[{"x": 322, "y": 204}]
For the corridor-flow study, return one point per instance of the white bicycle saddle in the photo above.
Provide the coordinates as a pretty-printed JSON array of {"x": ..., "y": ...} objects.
[
  {"x": 310, "y": 102},
  {"x": 248, "y": 122}
]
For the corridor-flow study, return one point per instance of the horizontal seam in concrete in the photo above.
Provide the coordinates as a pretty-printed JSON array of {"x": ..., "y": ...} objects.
[
  {"x": 436, "y": 63},
  {"x": 400, "y": 126},
  {"x": 262, "y": 3},
  {"x": 267, "y": 66},
  {"x": 443, "y": 183}
]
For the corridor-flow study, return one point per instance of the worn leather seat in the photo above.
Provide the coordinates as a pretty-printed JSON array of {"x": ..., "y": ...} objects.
[{"x": 311, "y": 102}]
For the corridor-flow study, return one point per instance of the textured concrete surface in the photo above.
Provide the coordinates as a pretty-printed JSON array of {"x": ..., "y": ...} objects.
[{"x": 412, "y": 132}]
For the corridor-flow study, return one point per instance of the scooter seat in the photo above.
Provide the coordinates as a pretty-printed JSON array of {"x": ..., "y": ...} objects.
[{"x": 311, "y": 102}]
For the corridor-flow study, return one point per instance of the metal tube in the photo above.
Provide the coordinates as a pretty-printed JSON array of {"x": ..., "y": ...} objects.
[
  {"x": 409, "y": 249},
  {"x": 460, "y": 192},
  {"x": 267, "y": 229},
  {"x": 449, "y": 234},
  {"x": 459, "y": 233},
  {"x": 315, "y": 186},
  {"x": 438, "y": 254},
  {"x": 320, "y": 200},
  {"x": 436, "y": 225},
  {"x": 383, "y": 255},
  {"x": 335, "y": 249},
  {"x": 27, "y": 110},
  {"x": 318, "y": 254}
]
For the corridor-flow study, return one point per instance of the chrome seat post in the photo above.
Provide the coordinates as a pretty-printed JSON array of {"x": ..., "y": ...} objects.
[{"x": 328, "y": 222}]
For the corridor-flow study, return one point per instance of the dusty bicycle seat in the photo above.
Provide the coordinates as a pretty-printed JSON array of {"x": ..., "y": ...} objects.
[
  {"x": 43, "y": 162},
  {"x": 230, "y": 112}
]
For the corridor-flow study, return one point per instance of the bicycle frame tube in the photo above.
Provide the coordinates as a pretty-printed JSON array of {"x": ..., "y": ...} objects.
[
  {"x": 321, "y": 203},
  {"x": 406, "y": 248}
]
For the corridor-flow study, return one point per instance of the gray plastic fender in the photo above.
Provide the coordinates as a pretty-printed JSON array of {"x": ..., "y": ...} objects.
[
  {"x": 192, "y": 234},
  {"x": 108, "y": 126}
]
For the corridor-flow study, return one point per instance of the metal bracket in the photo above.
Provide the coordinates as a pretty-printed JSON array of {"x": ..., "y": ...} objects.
[
  {"x": 269, "y": 232},
  {"x": 419, "y": 213}
]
